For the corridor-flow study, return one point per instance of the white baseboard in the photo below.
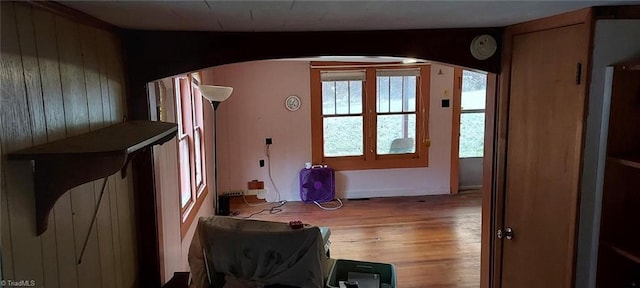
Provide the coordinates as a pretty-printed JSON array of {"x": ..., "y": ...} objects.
[
  {"x": 391, "y": 193},
  {"x": 379, "y": 193},
  {"x": 470, "y": 187}
]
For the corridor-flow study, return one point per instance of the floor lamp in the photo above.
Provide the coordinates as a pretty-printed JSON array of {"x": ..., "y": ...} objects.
[{"x": 215, "y": 95}]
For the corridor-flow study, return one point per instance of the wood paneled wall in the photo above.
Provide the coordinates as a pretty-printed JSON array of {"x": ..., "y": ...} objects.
[{"x": 61, "y": 78}]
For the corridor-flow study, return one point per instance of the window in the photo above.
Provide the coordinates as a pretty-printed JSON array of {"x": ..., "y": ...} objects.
[
  {"x": 367, "y": 117},
  {"x": 191, "y": 156},
  {"x": 474, "y": 93}
]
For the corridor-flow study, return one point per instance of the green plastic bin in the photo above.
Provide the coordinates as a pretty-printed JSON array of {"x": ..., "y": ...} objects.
[{"x": 341, "y": 269}]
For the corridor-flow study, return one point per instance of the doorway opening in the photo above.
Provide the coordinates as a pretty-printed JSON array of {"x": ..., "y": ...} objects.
[
  {"x": 471, "y": 129},
  {"x": 257, "y": 110}
]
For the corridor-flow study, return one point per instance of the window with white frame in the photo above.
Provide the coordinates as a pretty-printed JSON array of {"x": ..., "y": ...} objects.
[{"x": 191, "y": 148}]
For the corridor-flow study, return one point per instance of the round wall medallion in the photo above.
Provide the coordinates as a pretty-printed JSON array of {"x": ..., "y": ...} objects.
[
  {"x": 483, "y": 47},
  {"x": 292, "y": 103}
]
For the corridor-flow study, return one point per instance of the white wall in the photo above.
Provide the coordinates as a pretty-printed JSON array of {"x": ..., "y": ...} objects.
[
  {"x": 256, "y": 111},
  {"x": 614, "y": 41}
]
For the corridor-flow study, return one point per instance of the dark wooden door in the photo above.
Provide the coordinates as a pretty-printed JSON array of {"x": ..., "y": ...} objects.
[{"x": 544, "y": 144}]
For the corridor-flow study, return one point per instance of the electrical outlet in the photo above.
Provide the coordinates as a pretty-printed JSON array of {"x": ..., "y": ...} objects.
[
  {"x": 234, "y": 193},
  {"x": 268, "y": 141},
  {"x": 255, "y": 192},
  {"x": 261, "y": 162}
]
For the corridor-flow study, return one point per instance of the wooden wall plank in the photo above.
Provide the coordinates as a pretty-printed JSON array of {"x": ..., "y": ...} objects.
[
  {"x": 97, "y": 121},
  {"x": 126, "y": 214},
  {"x": 92, "y": 42},
  {"x": 77, "y": 122},
  {"x": 16, "y": 134},
  {"x": 105, "y": 239},
  {"x": 45, "y": 30},
  {"x": 121, "y": 103},
  {"x": 103, "y": 59},
  {"x": 65, "y": 242},
  {"x": 7, "y": 247},
  {"x": 76, "y": 105},
  {"x": 44, "y": 27},
  {"x": 33, "y": 83},
  {"x": 116, "y": 89},
  {"x": 83, "y": 205},
  {"x": 72, "y": 77},
  {"x": 115, "y": 94},
  {"x": 31, "y": 71},
  {"x": 92, "y": 76},
  {"x": 115, "y": 229}
]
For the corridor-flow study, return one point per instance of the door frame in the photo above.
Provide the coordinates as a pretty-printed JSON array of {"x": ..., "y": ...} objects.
[
  {"x": 499, "y": 151},
  {"x": 488, "y": 164},
  {"x": 454, "y": 177}
]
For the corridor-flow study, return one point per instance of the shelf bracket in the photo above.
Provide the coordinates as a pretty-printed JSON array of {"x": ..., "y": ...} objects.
[{"x": 54, "y": 177}]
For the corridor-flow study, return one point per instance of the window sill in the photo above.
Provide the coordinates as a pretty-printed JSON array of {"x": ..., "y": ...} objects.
[
  {"x": 191, "y": 214},
  {"x": 388, "y": 162}
]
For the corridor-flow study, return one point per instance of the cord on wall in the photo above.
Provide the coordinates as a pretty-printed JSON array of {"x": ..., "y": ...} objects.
[
  {"x": 275, "y": 187},
  {"x": 275, "y": 209}
]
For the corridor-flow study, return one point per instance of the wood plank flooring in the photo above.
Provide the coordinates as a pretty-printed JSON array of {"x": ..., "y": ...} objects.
[{"x": 434, "y": 241}]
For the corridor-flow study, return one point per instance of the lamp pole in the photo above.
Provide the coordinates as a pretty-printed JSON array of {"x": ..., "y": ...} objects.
[
  {"x": 215, "y": 95},
  {"x": 214, "y": 105}
]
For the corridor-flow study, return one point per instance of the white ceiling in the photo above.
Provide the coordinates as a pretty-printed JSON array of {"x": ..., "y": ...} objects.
[{"x": 210, "y": 15}]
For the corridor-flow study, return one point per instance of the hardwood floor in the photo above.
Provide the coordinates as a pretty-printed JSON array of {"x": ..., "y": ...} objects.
[{"x": 434, "y": 241}]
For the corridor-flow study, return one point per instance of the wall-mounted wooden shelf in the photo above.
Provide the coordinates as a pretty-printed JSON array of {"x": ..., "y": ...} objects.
[{"x": 64, "y": 164}]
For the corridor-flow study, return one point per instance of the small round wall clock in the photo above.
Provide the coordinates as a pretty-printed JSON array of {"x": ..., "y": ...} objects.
[{"x": 292, "y": 103}]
